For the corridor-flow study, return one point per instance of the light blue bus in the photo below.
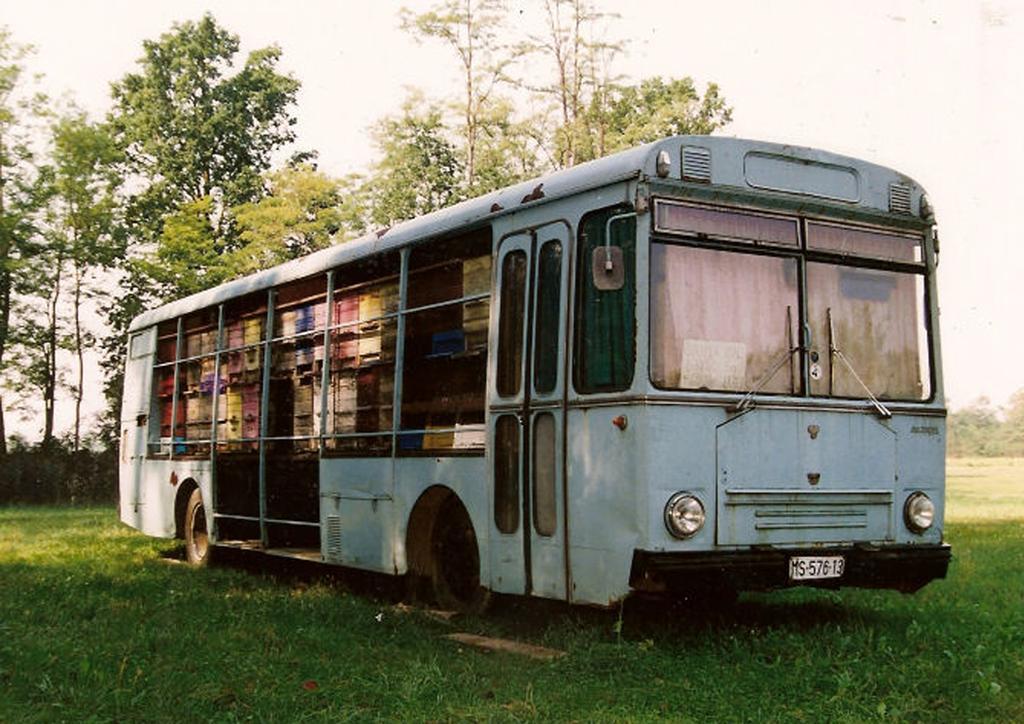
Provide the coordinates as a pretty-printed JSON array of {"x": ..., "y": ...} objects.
[{"x": 701, "y": 365}]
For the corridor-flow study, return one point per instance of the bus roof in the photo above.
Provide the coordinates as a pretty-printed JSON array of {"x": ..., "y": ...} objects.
[{"x": 745, "y": 164}]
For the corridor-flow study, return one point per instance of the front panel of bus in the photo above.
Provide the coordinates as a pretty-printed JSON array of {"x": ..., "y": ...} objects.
[{"x": 765, "y": 378}]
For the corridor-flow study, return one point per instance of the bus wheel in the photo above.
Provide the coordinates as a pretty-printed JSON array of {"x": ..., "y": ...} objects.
[
  {"x": 455, "y": 565},
  {"x": 197, "y": 538}
]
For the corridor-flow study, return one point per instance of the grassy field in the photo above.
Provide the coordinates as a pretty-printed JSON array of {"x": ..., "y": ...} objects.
[{"x": 96, "y": 625}]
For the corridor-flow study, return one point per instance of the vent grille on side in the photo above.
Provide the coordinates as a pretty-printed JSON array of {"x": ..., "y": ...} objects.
[
  {"x": 333, "y": 536},
  {"x": 899, "y": 198},
  {"x": 696, "y": 164}
]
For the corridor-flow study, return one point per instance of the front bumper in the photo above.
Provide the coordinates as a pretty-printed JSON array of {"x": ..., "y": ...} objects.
[{"x": 901, "y": 567}]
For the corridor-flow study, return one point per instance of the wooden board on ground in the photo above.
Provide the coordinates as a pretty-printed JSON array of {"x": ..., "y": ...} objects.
[{"x": 513, "y": 647}]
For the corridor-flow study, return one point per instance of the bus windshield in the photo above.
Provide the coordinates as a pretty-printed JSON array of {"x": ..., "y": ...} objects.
[{"x": 729, "y": 320}]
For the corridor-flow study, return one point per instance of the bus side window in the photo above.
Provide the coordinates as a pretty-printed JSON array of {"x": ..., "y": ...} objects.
[
  {"x": 605, "y": 340},
  {"x": 445, "y": 353}
]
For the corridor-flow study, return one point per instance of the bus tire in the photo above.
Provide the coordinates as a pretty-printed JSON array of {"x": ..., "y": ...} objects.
[
  {"x": 197, "y": 536},
  {"x": 455, "y": 561}
]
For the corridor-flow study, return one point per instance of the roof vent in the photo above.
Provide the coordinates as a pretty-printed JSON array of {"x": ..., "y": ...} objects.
[
  {"x": 697, "y": 164},
  {"x": 899, "y": 198}
]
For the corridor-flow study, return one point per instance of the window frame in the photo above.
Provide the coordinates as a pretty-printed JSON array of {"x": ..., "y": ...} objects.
[{"x": 804, "y": 254}]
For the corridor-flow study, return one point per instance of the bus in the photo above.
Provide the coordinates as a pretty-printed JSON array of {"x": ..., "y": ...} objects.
[{"x": 700, "y": 365}]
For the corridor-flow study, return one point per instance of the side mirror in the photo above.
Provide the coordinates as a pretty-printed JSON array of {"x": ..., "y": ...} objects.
[{"x": 607, "y": 268}]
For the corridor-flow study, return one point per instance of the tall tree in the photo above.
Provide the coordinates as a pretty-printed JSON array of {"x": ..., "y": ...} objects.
[
  {"x": 197, "y": 133},
  {"x": 83, "y": 219},
  {"x": 593, "y": 113},
  {"x": 301, "y": 214},
  {"x": 472, "y": 30},
  {"x": 190, "y": 129},
  {"x": 580, "y": 62},
  {"x": 654, "y": 108},
  {"x": 419, "y": 170},
  {"x": 21, "y": 193}
]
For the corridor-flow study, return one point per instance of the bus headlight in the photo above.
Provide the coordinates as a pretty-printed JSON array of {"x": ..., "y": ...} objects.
[
  {"x": 919, "y": 512},
  {"x": 684, "y": 515}
]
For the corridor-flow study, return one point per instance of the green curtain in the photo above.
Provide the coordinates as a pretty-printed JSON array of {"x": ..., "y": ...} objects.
[{"x": 605, "y": 320}]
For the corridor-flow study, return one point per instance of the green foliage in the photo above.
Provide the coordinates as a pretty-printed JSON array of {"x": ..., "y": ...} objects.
[
  {"x": 24, "y": 191},
  {"x": 655, "y": 108},
  {"x": 419, "y": 170},
  {"x": 191, "y": 130},
  {"x": 124, "y": 635},
  {"x": 189, "y": 256},
  {"x": 301, "y": 214},
  {"x": 197, "y": 133},
  {"x": 979, "y": 430},
  {"x": 56, "y": 473},
  {"x": 472, "y": 29}
]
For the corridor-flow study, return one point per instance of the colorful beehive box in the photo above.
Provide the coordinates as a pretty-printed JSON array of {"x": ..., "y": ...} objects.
[
  {"x": 305, "y": 319},
  {"x": 250, "y": 411},
  {"x": 283, "y": 359},
  {"x": 469, "y": 437},
  {"x": 304, "y": 352},
  {"x": 442, "y": 439},
  {"x": 476, "y": 276},
  {"x": 252, "y": 330},
  {"x": 165, "y": 383},
  {"x": 369, "y": 343},
  {"x": 208, "y": 341},
  {"x": 320, "y": 315},
  {"x": 253, "y": 359},
  {"x": 235, "y": 335},
  {"x": 286, "y": 323},
  {"x": 193, "y": 344},
  {"x": 474, "y": 323}
]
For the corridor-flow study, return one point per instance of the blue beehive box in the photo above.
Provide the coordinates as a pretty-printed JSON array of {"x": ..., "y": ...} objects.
[{"x": 447, "y": 343}]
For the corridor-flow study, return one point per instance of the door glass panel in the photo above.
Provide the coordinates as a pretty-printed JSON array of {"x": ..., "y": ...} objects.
[
  {"x": 506, "y": 474},
  {"x": 545, "y": 516},
  {"x": 510, "y": 324},
  {"x": 549, "y": 288}
]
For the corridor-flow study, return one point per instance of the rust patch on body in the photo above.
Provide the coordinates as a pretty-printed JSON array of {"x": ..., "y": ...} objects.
[{"x": 536, "y": 195}]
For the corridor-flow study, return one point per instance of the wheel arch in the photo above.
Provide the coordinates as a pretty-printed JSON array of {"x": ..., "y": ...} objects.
[
  {"x": 421, "y": 525},
  {"x": 181, "y": 504}
]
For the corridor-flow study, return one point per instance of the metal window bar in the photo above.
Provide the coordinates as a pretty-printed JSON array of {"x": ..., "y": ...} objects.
[
  {"x": 265, "y": 416},
  {"x": 177, "y": 383},
  {"x": 279, "y": 521},
  {"x": 214, "y": 415},
  {"x": 396, "y": 401},
  {"x": 325, "y": 370}
]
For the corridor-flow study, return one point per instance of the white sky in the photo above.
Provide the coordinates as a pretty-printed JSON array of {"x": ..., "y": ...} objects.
[{"x": 928, "y": 88}]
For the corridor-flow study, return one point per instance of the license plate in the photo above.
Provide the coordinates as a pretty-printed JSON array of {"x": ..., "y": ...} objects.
[{"x": 810, "y": 568}]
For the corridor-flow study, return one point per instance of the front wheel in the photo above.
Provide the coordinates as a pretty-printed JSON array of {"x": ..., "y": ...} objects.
[
  {"x": 455, "y": 565},
  {"x": 197, "y": 537}
]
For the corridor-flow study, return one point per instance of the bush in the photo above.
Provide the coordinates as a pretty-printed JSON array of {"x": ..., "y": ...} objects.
[{"x": 56, "y": 474}]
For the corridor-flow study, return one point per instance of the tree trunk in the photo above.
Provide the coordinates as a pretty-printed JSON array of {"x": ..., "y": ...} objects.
[
  {"x": 5, "y": 298},
  {"x": 79, "y": 351},
  {"x": 50, "y": 383}
]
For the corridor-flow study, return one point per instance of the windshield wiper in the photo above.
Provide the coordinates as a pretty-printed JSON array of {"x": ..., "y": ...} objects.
[
  {"x": 833, "y": 353},
  {"x": 747, "y": 401}
]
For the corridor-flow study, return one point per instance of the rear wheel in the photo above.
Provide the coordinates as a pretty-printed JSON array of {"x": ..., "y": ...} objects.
[
  {"x": 455, "y": 560},
  {"x": 197, "y": 537}
]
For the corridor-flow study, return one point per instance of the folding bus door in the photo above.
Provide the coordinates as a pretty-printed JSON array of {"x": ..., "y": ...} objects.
[{"x": 527, "y": 420}]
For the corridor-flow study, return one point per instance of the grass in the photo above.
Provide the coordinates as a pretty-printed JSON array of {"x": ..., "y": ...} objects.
[{"x": 96, "y": 626}]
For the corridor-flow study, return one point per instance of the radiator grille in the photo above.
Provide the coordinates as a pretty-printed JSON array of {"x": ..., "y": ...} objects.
[
  {"x": 770, "y": 516},
  {"x": 333, "y": 536},
  {"x": 899, "y": 198},
  {"x": 696, "y": 164}
]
